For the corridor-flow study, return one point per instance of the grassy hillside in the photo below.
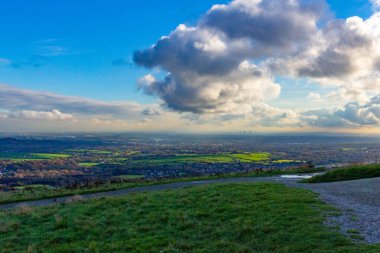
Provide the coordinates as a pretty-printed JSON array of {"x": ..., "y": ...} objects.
[
  {"x": 348, "y": 173},
  {"x": 217, "y": 218}
]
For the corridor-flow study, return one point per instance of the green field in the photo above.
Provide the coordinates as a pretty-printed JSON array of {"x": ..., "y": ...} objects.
[
  {"x": 133, "y": 153},
  {"x": 181, "y": 159},
  {"x": 348, "y": 173},
  {"x": 285, "y": 161},
  {"x": 131, "y": 176},
  {"x": 251, "y": 157},
  {"x": 50, "y": 156},
  {"x": 33, "y": 187},
  {"x": 91, "y": 151},
  {"x": 194, "y": 158},
  {"x": 117, "y": 160},
  {"x": 216, "y": 218},
  {"x": 15, "y": 157},
  {"x": 88, "y": 164}
]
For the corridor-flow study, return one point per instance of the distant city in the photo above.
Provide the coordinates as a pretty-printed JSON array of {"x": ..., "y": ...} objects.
[{"x": 85, "y": 159}]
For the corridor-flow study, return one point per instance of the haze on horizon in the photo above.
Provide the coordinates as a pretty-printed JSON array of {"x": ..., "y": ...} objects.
[{"x": 191, "y": 66}]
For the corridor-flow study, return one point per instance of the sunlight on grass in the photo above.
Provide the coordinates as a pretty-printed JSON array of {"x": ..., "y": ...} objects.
[{"x": 217, "y": 218}]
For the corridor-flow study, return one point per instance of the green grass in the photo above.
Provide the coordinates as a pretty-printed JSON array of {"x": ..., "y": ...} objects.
[
  {"x": 20, "y": 157},
  {"x": 194, "y": 158},
  {"x": 88, "y": 164},
  {"x": 132, "y": 153},
  {"x": 286, "y": 161},
  {"x": 49, "y": 192},
  {"x": 348, "y": 173},
  {"x": 251, "y": 157},
  {"x": 131, "y": 176},
  {"x": 33, "y": 187},
  {"x": 227, "y": 218},
  {"x": 181, "y": 159},
  {"x": 50, "y": 156},
  {"x": 92, "y": 151}
]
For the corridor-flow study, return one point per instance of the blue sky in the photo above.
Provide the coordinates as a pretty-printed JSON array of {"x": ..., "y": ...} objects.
[
  {"x": 94, "y": 33},
  {"x": 85, "y": 49}
]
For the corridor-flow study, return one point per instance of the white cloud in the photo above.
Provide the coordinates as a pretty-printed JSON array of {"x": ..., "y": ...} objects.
[
  {"x": 351, "y": 115},
  {"x": 234, "y": 93},
  {"x": 222, "y": 71},
  {"x": 227, "y": 63},
  {"x": 41, "y": 115},
  {"x": 213, "y": 44},
  {"x": 210, "y": 65},
  {"x": 375, "y": 3},
  {"x": 109, "y": 122},
  {"x": 346, "y": 58},
  {"x": 315, "y": 97},
  {"x": 15, "y": 100}
]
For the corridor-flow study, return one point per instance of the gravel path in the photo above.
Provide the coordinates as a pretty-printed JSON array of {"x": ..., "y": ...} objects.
[{"x": 358, "y": 200}]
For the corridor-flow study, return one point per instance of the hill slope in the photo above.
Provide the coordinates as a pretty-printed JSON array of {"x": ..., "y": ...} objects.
[
  {"x": 259, "y": 217},
  {"x": 347, "y": 173}
]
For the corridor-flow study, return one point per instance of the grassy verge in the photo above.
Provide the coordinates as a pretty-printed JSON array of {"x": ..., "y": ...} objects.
[
  {"x": 348, "y": 173},
  {"x": 221, "y": 218},
  {"x": 37, "y": 193}
]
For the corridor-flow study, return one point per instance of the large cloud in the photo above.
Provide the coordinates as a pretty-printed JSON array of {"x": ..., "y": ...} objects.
[
  {"x": 236, "y": 92},
  {"x": 211, "y": 66},
  {"x": 271, "y": 27},
  {"x": 271, "y": 38},
  {"x": 346, "y": 57}
]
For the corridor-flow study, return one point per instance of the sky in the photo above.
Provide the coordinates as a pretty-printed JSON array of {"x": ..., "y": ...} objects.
[{"x": 190, "y": 66}]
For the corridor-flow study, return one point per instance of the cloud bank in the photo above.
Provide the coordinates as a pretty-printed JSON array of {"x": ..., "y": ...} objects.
[
  {"x": 14, "y": 99},
  {"x": 40, "y": 115},
  {"x": 27, "y": 110},
  {"x": 351, "y": 115},
  {"x": 229, "y": 62}
]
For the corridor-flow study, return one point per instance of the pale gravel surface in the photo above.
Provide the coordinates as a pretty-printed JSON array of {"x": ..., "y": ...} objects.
[{"x": 359, "y": 200}]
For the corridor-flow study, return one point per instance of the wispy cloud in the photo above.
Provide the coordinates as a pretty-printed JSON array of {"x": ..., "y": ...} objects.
[
  {"x": 51, "y": 48},
  {"x": 375, "y": 3},
  {"x": 34, "y": 61},
  {"x": 44, "y": 52},
  {"x": 14, "y": 99},
  {"x": 40, "y": 115}
]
